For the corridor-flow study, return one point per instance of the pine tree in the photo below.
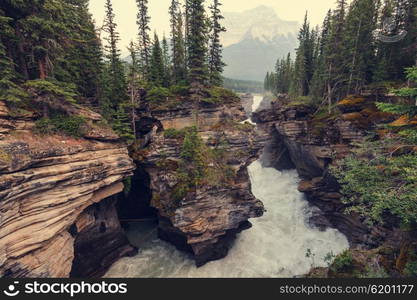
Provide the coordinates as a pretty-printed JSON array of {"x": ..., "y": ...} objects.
[
  {"x": 116, "y": 81},
  {"x": 156, "y": 67},
  {"x": 134, "y": 84},
  {"x": 44, "y": 32},
  {"x": 179, "y": 71},
  {"x": 335, "y": 55},
  {"x": 143, "y": 21},
  {"x": 216, "y": 64},
  {"x": 304, "y": 60},
  {"x": 9, "y": 90},
  {"x": 166, "y": 63},
  {"x": 81, "y": 63},
  {"x": 197, "y": 44},
  {"x": 359, "y": 43}
]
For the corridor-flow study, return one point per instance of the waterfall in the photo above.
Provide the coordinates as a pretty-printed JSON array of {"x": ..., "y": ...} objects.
[{"x": 275, "y": 246}]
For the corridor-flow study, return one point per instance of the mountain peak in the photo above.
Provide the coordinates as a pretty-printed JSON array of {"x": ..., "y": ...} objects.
[{"x": 261, "y": 22}]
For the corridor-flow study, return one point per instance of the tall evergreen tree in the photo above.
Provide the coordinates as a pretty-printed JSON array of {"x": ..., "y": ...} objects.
[
  {"x": 134, "y": 84},
  {"x": 304, "y": 60},
  {"x": 81, "y": 63},
  {"x": 156, "y": 67},
  {"x": 9, "y": 90},
  {"x": 145, "y": 45},
  {"x": 116, "y": 81},
  {"x": 197, "y": 43},
  {"x": 359, "y": 43},
  {"x": 166, "y": 63},
  {"x": 178, "y": 42},
  {"x": 216, "y": 64}
]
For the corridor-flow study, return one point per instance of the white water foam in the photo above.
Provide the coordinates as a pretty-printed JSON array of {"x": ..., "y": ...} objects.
[{"x": 275, "y": 246}]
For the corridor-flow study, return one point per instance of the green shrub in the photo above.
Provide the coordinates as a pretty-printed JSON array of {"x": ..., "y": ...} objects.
[
  {"x": 172, "y": 133},
  {"x": 219, "y": 95},
  {"x": 199, "y": 165},
  {"x": 69, "y": 125},
  {"x": 158, "y": 94},
  {"x": 46, "y": 88},
  {"x": 180, "y": 90},
  {"x": 376, "y": 183},
  {"x": 343, "y": 262},
  {"x": 411, "y": 269}
]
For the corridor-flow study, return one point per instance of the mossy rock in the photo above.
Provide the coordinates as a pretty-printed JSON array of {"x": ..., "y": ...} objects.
[
  {"x": 352, "y": 104},
  {"x": 404, "y": 121},
  {"x": 5, "y": 157}
]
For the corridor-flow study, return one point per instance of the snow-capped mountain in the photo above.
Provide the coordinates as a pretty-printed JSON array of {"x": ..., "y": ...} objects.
[{"x": 254, "y": 40}]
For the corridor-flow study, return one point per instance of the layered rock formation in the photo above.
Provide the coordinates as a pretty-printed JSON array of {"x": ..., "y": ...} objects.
[
  {"x": 204, "y": 219},
  {"x": 311, "y": 142},
  {"x": 47, "y": 187}
]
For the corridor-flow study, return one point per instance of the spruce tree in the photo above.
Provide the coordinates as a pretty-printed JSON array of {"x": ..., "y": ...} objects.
[
  {"x": 179, "y": 71},
  {"x": 81, "y": 63},
  {"x": 216, "y": 64},
  {"x": 166, "y": 63},
  {"x": 134, "y": 84},
  {"x": 143, "y": 21},
  {"x": 304, "y": 60},
  {"x": 116, "y": 81},
  {"x": 197, "y": 44},
  {"x": 9, "y": 90},
  {"x": 156, "y": 67},
  {"x": 359, "y": 43}
]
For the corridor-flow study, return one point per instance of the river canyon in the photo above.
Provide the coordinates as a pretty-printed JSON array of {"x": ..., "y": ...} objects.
[{"x": 276, "y": 246}]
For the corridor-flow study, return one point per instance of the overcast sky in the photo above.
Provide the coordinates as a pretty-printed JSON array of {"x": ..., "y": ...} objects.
[{"x": 125, "y": 10}]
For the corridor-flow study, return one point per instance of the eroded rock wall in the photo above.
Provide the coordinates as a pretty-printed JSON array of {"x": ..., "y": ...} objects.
[
  {"x": 206, "y": 220},
  {"x": 46, "y": 184}
]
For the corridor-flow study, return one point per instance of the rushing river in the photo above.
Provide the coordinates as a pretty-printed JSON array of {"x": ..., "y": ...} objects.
[{"x": 275, "y": 246}]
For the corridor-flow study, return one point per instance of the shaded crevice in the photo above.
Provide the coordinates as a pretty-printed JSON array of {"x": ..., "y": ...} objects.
[
  {"x": 276, "y": 154},
  {"x": 135, "y": 203},
  {"x": 99, "y": 240}
]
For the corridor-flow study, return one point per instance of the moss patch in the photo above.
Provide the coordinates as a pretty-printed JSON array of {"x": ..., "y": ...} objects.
[{"x": 5, "y": 156}]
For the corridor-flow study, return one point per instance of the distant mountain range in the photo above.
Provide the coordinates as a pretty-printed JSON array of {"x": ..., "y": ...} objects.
[{"x": 254, "y": 40}]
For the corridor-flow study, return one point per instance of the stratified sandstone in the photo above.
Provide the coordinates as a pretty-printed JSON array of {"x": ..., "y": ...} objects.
[{"x": 46, "y": 185}]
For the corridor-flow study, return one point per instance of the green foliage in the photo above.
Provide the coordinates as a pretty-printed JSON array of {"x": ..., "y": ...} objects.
[
  {"x": 374, "y": 272},
  {"x": 216, "y": 65},
  {"x": 49, "y": 89},
  {"x": 377, "y": 183},
  {"x": 197, "y": 42},
  {"x": 200, "y": 165},
  {"x": 179, "y": 68},
  {"x": 158, "y": 95},
  {"x": 121, "y": 124},
  {"x": 243, "y": 86},
  {"x": 68, "y": 125},
  {"x": 127, "y": 186},
  {"x": 157, "y": 67},
  {"x": 179, "y": 90},
  {"x": 343, "y": 262},
  {"x": 219, "y": 95},
  {"x": 411, "y": 269},
  {"x": 172, "y": 133}
]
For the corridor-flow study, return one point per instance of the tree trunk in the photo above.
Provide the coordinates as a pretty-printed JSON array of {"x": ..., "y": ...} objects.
[{"x": 42, "y": 69}]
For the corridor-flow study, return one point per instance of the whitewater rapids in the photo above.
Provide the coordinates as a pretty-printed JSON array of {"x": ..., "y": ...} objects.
[{"x": 275, "y": 246}]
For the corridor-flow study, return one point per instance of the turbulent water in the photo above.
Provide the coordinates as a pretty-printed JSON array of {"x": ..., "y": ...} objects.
[
  {"x": 257, "y": 99},
  {"x": 275, "y": 246}
]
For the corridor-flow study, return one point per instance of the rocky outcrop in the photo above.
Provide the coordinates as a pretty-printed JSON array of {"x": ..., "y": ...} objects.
[
  {"x": 312, "y": 141},
  {"x": 206, "y": 218},
  {"x": 47, "y": 187}
]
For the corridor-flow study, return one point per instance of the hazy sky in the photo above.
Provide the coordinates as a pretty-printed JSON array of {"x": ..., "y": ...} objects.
[{"x": 125, "y": 10}]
